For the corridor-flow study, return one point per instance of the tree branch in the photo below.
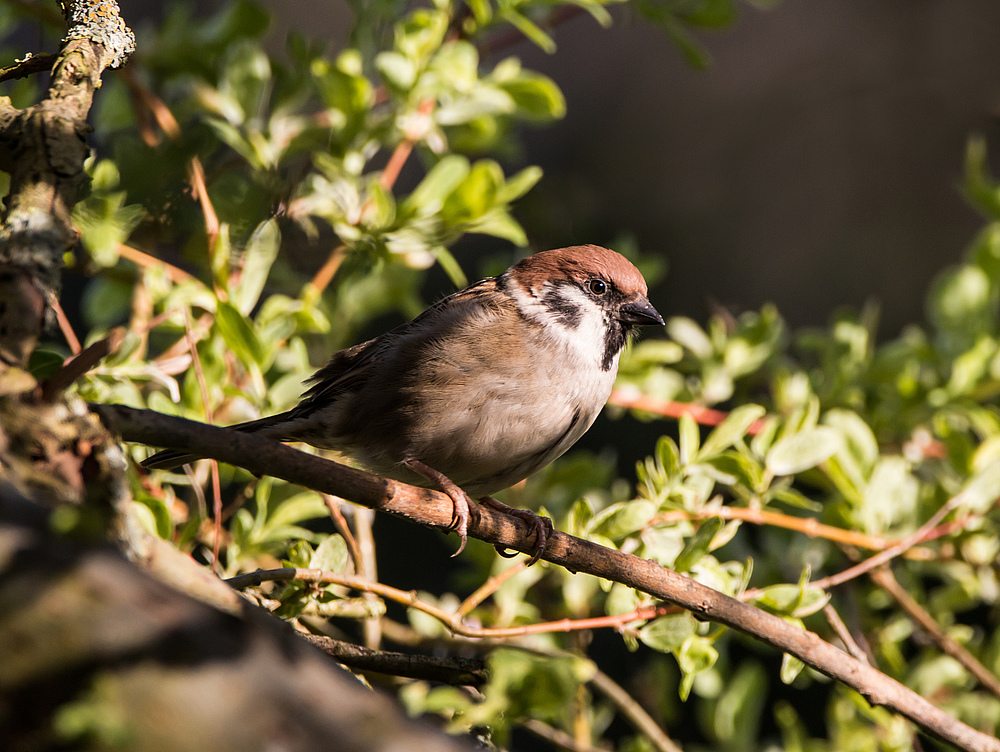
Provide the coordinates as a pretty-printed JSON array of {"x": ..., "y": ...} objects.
[
  {"x": 264, "y": 457},
  {"x": 43, "y": 148},
  {"x": 85, "y": 630},
  {"x": 453, "y": 670}
]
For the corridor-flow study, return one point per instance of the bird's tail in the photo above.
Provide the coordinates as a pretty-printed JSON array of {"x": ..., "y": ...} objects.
[{"x": 169, "y": 459}]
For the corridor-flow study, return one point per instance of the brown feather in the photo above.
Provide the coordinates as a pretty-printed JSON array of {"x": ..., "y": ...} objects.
[{"x": 579, "y": 263}]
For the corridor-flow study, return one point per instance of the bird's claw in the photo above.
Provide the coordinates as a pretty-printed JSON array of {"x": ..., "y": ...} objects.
[
  {"x": 542, "y": 527},
  {"x": 460, "y": 500}
]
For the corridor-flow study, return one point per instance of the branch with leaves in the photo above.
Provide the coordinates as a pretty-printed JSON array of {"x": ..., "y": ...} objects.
[{"x": 264, "y": 457}]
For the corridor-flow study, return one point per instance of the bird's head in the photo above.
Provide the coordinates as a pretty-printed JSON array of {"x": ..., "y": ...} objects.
[{"x": 584, "y": 291}]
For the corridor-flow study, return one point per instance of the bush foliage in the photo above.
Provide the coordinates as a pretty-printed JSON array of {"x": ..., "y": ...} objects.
[{"x": 834, "y": 445}]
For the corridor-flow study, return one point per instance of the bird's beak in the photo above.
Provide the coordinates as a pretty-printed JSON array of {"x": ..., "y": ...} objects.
[{"x": 639, "y": 311}]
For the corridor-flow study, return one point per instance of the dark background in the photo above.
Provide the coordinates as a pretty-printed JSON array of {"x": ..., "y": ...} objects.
[{"x": 815, "y": 163}]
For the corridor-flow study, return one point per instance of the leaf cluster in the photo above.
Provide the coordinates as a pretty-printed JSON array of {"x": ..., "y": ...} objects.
[{"x": 250, "y": 213}]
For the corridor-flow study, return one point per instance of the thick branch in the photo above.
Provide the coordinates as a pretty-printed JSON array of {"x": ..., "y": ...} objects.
[
  {"x": 43, "y": 149},
  {"x": 83, "y": 630},
  {"x": 265, "y": 457}
]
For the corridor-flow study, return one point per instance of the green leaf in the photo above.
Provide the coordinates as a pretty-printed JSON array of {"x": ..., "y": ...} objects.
[
  {"x": 668, "y": 633},
  {"x": 794, "y": 601},
  {"x": 451, "y": 266},
  {"x": 246, "y": 76},
  {"x": 731, "y": 430},
  {"x": 235, "y": 21},
  {"x": 344, "y": 89},
  {"x": 330, "y": 555},
  {"x": 983, "y": 191},
  {"x": 983, "y": 489},
  {"x": 498, "y": 223},
  {"x": 104, "y": 222},
  {"x": 621, "y": 600},
  {"x": 687, "y": 333},
  {"x": 529, "y": 28},
  {"x": 261, "y": 251},
  {"x": 160, "y": 513},
  {"x": 106, "y": 301},
  {"x": 475, "y": 195},
  {"x": 697, "y": 654},
  {"x": 44, "y": 362},
  {"x": 519, "y": 184},
  {"x": 736, "y": 720},
  {"x": 698, "y": 544},
  {"x": 238, "y": 334},
  {"x": 457, "y": 63},
  {"x": 742, "y": 468},
  {"x": 537, "y": 97},
  {"x": 622, "y": 519},
  {"x": 890, "y": 497},
  {"x": 690, "y": 436},
  {"x": 803, "y": 450},
  {"x": 443, "y": 178},
  {"x": 962, "y": 298},
  {"x": 580, "y": 515},
  {"x": 396, "y": 69},
  {"x": 791, "y": 667},
  {"x": 421, "y": 33}
]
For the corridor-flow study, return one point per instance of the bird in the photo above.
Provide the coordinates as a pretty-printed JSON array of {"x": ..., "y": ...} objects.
[{"x": 482, "y": 389}]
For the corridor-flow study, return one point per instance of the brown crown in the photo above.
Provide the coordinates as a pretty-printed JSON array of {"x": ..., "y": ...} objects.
[{"x": 579, "y": 263}]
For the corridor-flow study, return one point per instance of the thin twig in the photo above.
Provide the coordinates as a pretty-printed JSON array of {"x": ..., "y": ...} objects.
[
  {"x": 141, "y": 314},
  {"x": 453, "y": 670},
  {"x": 333, "y": 505},
  {"x": 64, "y": 326},
  {"x": 79, "y": 365},
  {"x": 841, "y": 630},
  {"x": 705, "y": 416},
  {"x": 139, "y": 258},
  {"x": 924, "y": 532},
  {"x": 263, "y": 456},
  {"x": 363, "y": 521},
  {"x": 403, "y": 149},
  {"x": 558, "y": 737},
  {"x": 366, "y": 607},
  {"x": 28, "y": 66},
  {"x": 635, "y": 713},
  {"x": 451, "y": 620},
  {"x": 884, "y": 578},
  {"x": 806, "y": 525},
  {"x": 171, "y": 128},
  {"x": 489, "y": 587},
  {"x": 196, "y": 174},
  {"x": 214, "y": 466},
  {"x": 201, "y": 327},
  {"x": 325, "y": 275}
]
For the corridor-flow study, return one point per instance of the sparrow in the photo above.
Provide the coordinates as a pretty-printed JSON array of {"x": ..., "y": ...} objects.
[{"x": 483, "y": 388}]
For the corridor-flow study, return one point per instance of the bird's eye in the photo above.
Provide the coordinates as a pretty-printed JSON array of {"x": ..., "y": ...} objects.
[{"x": 597, "y": 286}]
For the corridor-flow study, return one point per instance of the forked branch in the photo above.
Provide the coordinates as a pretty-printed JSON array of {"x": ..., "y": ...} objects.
[{"x": 264, "y": 457}]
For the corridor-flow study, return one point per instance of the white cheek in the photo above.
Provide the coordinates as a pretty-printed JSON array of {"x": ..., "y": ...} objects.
[{"x": 583, "y": 336}]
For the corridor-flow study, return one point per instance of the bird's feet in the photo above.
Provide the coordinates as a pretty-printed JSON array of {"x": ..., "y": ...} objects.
[
  {"x": 542, "y": 527},
  {"x": 461, "y": 501}
]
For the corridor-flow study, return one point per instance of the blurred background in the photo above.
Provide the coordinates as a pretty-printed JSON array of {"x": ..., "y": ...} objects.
[{"x": 814, "y": 163}]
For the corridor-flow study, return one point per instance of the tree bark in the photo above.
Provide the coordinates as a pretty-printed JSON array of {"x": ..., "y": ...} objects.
[{"x": 96, "y": 654}]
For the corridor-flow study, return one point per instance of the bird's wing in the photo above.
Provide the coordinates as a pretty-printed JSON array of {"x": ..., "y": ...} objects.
[{"x": 349, "y": 368}]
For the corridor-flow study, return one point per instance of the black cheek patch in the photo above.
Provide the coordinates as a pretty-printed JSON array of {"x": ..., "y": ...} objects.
[
  {"x": 614, "y": 341},
  {"x": 566, "y": 311}
]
